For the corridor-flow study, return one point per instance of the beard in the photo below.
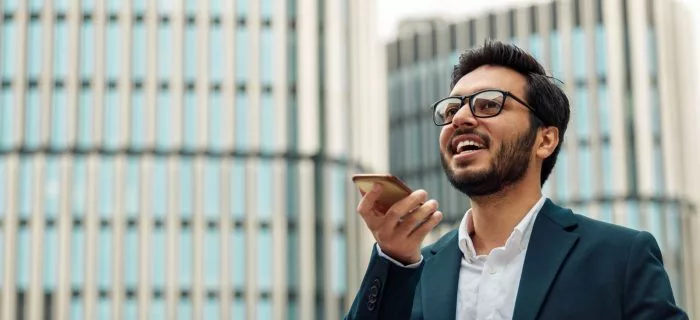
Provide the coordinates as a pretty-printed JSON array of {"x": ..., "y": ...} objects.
[{"x": 508, "y": 166}]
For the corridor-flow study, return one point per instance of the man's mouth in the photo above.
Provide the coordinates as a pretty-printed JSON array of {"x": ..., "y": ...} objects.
[
  {"x": 468, "y": 143},
  {"x": 468, "y": 146}
]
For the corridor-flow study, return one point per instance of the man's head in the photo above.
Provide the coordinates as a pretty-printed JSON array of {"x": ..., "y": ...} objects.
[{"x": 509, "y": 122}]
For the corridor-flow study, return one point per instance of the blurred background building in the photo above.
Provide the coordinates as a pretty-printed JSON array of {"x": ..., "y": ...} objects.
[
  {"x": 185, "y": 159},
  {"x": 630, "y": 153}
]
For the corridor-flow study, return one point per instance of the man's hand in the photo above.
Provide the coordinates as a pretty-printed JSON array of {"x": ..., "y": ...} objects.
[{"x": 400, "y": 230}]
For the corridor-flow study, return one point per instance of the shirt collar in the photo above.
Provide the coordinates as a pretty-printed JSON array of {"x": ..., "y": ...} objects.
[{"x": 518, "y": 239}]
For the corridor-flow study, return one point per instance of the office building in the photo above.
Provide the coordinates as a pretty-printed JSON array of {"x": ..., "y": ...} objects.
[
  {"x": 184, "y": 159},
  {"x": 630, "y": 153}
]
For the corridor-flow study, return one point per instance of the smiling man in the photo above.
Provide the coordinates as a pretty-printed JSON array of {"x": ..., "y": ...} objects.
[{"x": 515, "y": 254}]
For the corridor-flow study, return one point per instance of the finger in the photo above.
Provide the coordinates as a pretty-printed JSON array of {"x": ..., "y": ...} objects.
[
  {"x": 368, "y": 201},
  {"x": 424, "y": 228},
  {"x": 404, "y": 206},
  {"x": 417, "y": 217}
]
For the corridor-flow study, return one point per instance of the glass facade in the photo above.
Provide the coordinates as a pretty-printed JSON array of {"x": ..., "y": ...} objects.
[
  {"x": 144, "y": 200},
  {"x": 585, "y": 174}
]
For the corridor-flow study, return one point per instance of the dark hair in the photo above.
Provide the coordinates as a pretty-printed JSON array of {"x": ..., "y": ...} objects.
[{"x": 540, "y": 93}]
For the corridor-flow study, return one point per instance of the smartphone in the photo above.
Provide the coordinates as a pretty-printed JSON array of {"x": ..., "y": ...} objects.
[{"x": 393, "y": 188}]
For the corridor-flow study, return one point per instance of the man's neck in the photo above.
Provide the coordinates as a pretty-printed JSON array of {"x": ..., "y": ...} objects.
[{"x": 495, "y": 216}]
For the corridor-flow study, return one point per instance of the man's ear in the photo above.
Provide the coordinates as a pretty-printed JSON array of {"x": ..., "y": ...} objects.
[{"x": 547, "y": 141}]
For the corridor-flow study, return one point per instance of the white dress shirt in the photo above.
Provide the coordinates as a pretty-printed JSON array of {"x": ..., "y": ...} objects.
[{"x": 488, "y": 284}]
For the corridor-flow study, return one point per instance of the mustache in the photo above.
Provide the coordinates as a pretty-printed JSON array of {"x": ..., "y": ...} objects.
[{"x": 464, "y": 131}]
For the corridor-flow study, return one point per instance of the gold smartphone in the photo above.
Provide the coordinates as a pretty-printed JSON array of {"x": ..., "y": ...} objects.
[{"x": 393, "y": 189}]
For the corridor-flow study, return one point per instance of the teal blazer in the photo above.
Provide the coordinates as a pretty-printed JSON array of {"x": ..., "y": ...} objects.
[{"x": 575, "y": 268}]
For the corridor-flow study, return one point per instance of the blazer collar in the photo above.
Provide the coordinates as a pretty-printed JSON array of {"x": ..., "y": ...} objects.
[
  {"x": 550, "y": 244},
  {"x": 441, "y": 276}
]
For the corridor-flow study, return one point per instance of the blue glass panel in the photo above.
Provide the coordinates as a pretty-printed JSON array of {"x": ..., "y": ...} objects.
[
  {"x": 160, "y": 187},
  {"x": 157, "y": 309},
  {"x": 106, "y": 188},
  {"x": 212, "y": 259},
  {"x": 133, "y": 187},
  {"x": 186, "y": 182},
  {"x": 212, "y": 188},
  {"x": 112, "y": 119},
  {"x": 237, "y": 262},
  {"x": 184, "y": 309},
  {"x": 242, "y": 8},
  {"x": 60, "y": 49},
  {"x": 32, "y": 120},
  {"x": 291, "y": 8},
  {"x": 77, "y": 252},
  {"x": 535, "y": 46},
  {"x": 264, "y": 247},
  {"x": 215, "y": 7},
  {"x": 216, "y": 53},
  {"x": 165, "y": 52},
  {"x": 292, "y": 310},
  {"x": 265, "y": 187},
  {"x": 138, "y": 49},
  {"x": 138, "y": 125},
  {"x": 79, "y": 188},
  {"x": 185, "y": 256},
  {"x": 291, "y": 55},
  {"x": 655, "y": 111},
  {"x": 267, "y": 131},
  {"x": 87, "y": 49},
  {"x": 50, "y": 258},
  {"x": 604, "y": 110},
  {"x": 241, "y": 125},
  {"x": 585, "y": 172},
  {"x": 113, "y": 50},
  {"x": 3, "y": 177},
  {"x": 651, "y": 49},
  {"x": 113, "y": 6},
  {"x": 164, "y": 120},
  {"x": 139, "y": 6},
  {"x": 131, "y": 309},
  {"x": 266, "y": 9},
  {"x": 76, "y": 308},
  {"x": 583, "y": 126},
  {"x": 293, "y": 259},
  {"x": 337, "y": 195},
  {"x": 104, "y": 308},
  {"x": 85, "y": 119},
  {"x": 267, "y": 63},
  {"x": 158, "y": 259},
  {"x": 264, "y": 309},
  {"x": 238, "y": 189},
  {"x": 2, "y": 247},
  {"x": 562, "y": 176},
  {"x": 104, "y": 258},
  {"x": 61, "y": 5},
  {"x": 600, "y": 51},
  {"x": 242, "y": 49},
  {"x": 656, "y": 222},
  {"x": 7, "y": 118},
  {"x": 59, "y": 130},
  {"x": 52, "y": 186},
  {"x": 131, "y": 266},
  {"x": 26, "y": 182},
  {"x": 9, "y": 40},
  {"x": 23, "y": 256},
  {"x": 579, "y": 53},
  {"x": 215, "y": 121},
  {"x": 189, "y": 120},
  {"x": 238, "y": 309},
  {"x": 211, "y": 309},
  {"x": 35, "y": 5},
  {"x": 34, "y": 50},
  {"x": 9, "y": 5},
  {"x": 633, "y": 215},
  {"x": 607, "y": 169},
  {"x": 659, "y": 173},
  {"x": 191, "y": 6},
  {"x": 339, "y": 264},
  {"x": 606, "y": 212},
  {"x": 190, "y": 52}
]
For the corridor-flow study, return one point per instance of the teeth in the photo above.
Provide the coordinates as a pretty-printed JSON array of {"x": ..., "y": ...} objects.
[{"x": 465, "y": 143}]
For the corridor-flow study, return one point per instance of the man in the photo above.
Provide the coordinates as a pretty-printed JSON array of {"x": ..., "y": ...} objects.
[{"x": 516, "y": 254}]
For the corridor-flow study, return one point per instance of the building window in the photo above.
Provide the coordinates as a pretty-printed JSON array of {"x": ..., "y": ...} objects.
[
  {"x": 242, "y": 119},
  {"x": 190, "y": 54},
  {"x": 59, "y": 118},
  {"x": 216, "y": 53},
  {"x": 242, "y": 49},
  {"x": 87, "y": 49},
  {"x": 113, "y": 50},
  {"x": 34, "y": 50},
  {"x": 32, "y": 119}
]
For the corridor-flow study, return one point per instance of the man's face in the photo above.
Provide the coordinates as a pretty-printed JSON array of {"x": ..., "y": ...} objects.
[{"x": 504, "y": 142}]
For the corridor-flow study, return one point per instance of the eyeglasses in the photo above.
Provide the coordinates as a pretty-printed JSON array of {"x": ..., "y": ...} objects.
[{"x": 483, "y": 104}]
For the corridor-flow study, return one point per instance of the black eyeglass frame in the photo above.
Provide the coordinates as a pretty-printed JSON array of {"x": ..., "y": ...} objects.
[{"x": 505, "y": 94}]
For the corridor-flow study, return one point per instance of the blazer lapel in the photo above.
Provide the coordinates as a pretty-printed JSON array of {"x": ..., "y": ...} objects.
[
  {"x": 439, "y": 285},
  {"x": 550, "y": 243}
]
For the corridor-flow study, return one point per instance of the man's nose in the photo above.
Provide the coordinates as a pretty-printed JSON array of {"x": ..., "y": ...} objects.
[{"x": 464, "y": 117}]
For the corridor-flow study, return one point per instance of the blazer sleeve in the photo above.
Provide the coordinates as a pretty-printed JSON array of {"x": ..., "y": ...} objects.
[
  {"x": 386, "y": 292},
  {"x": 647, "y": 293}
]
